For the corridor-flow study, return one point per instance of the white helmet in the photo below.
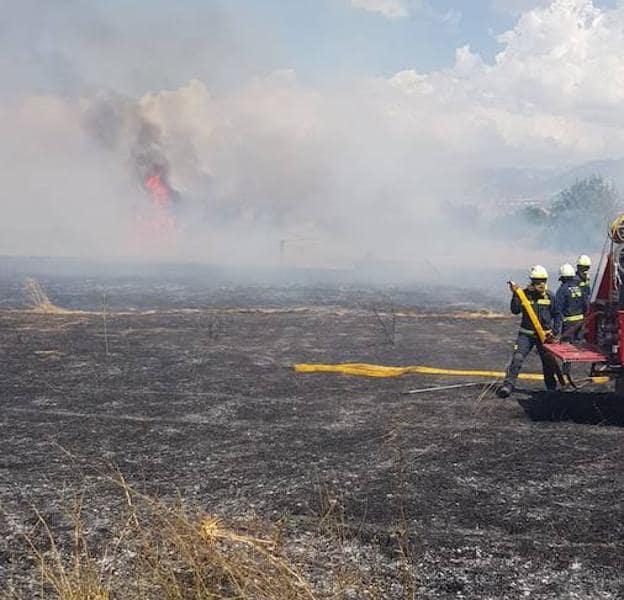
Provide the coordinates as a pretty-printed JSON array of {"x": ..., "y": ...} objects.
[
  {"x": 538, "y": 272},
  {"x": 567, "y": 270},
  {"x": 583, "y": 261}
]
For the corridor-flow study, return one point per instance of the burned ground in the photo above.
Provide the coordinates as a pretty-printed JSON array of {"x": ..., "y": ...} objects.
[{"x": 197, "y": 397}]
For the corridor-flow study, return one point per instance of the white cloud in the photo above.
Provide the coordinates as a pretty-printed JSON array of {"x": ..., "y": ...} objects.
[
  {"x": 452, "y": 18},
  {"x": 391, "y": 9},
  {"x": 516, "y": 7},
  {"x": 552, "y": 96},
  {"x": 398, "y": 9}
]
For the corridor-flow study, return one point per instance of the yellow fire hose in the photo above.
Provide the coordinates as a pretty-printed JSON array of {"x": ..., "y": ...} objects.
[
  {"x": 541, "y": 334},
  {"x": 528, "y": 308},
  {"x": 367, "y": 370}
]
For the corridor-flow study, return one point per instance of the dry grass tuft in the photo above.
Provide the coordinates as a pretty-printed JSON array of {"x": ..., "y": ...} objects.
[
  {"x": 79, "y": 577},
  {"x": 158, "y": 550},
  {"x": 37, "y": 300},
  {"x": 183, "y": 556},
  {"x": 163, "y": 551}
]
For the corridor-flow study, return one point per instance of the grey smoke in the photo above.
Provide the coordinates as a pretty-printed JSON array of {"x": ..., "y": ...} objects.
[
  {"x": 118, "y": 125},
  {"x": 93, "y": 97}
]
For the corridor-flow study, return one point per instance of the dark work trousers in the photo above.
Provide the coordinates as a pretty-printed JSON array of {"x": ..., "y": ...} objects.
[{"x": 524, "y": 345}]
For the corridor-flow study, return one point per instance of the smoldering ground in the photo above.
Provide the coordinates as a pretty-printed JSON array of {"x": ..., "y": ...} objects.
[{"x": 188, "y": 392}]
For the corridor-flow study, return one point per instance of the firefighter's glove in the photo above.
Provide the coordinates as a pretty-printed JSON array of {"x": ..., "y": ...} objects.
[{"x": 551, "y": 338}]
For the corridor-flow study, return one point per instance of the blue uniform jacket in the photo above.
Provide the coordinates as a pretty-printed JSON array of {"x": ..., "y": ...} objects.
[
  {"x": 543, "y": 307},
  {"x": 570, "y": 304}
]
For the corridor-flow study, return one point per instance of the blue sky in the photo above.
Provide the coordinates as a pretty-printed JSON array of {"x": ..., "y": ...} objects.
[
  {"x": 326, "y": 38},
  {"x": 134, "y": 46}
]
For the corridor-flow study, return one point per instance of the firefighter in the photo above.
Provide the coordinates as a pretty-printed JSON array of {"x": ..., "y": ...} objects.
[
  {"x": 570, "y": 305},
  {"x": 544, "y": 305},
  {"x": 583, "y": 264}
]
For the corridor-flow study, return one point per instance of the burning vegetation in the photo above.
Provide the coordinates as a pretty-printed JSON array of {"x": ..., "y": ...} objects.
[
  {"x": 157, "y": 222},
  {"x": 159, "y": 189},
  {"x": 120, "y": 126}
]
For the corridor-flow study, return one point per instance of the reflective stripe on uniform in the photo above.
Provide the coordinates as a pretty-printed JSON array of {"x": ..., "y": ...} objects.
[
  {"x": 544, "y": 301},
  {"x": 583, "y": 283},
  {"x": 573, "y": 318}
]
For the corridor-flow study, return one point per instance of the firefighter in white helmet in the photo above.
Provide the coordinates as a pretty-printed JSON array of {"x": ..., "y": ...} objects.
[
  {"x": 543, "y": 304},
  {"x": 570, "y": 305},
  {"x": 583, "y": 264}
]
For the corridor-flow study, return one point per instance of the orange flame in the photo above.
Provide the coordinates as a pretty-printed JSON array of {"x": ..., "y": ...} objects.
[
  {"x": 158, "y": 190},
  {"x": 156, "y": 226}
]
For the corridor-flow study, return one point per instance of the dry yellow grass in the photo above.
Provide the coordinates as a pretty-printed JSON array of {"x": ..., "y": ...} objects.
[
  {"x": 163, "y": 551},
  {"x": 183, "y": 556},
  {"x": 77, "y": 577},
  {"x": 37, "y": 300}
]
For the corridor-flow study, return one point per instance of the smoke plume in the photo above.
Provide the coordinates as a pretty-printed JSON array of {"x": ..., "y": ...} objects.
[{"x": 112, "y": 151}]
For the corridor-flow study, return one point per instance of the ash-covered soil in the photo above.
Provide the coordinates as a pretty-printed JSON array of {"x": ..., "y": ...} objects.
[{"x": 191, "y": 392}]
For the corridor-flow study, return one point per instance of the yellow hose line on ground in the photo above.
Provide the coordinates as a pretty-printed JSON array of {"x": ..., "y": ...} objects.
[{"x": 366, "y": 370}]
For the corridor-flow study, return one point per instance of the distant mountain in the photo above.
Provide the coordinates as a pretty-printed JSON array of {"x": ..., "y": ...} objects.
[
  {"x": 612, "y": 169},
  {"x": 541, "y": 185}
]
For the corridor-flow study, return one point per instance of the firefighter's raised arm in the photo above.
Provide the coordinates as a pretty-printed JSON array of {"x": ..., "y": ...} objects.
[{"x": 516, "y": 306}]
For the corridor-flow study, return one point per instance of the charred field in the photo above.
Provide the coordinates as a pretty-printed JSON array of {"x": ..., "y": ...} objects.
[{"x": 188, "y": 391}]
